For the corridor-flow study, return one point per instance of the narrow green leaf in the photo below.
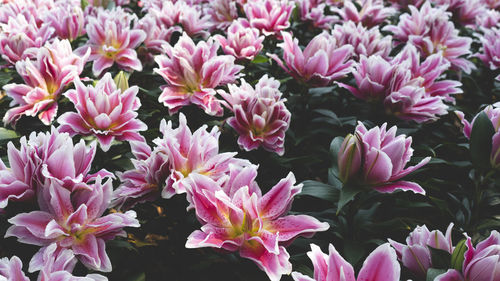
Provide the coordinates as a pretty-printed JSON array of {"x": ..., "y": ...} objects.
[
  {"x": 320, "y": 190},
  {"x": 440, "y": 258},
  {"x": 432, "y": 273},
  {"x": 347, "y": 194},
  {"x": 138, "y": 277},
  {"x": 457, "y": 258},
  {"x": 7, "y": 134},
  {"x": 334, "y": 151},
  {"x": 260, "y": 59},
  {"x": 481, "y": 142}
]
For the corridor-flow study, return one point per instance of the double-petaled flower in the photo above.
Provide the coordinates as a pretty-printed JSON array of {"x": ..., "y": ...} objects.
[
  {"x": 12, "y": 269},
  {"x": 45, "y": 78},
  {"x": 481, "y": 262},
  {"x": 73, "y": 220},
  {"x": 416, "y": 254},
  {"x": 146, "y": 181},
  {"x": 21, "y": 33},
  {"x": 380, "y": 265},
  {"x": 376, "y": 158},
  {"x": 112, "y": 40},
  {"x": 269, "y": 16},
  {"x": 242, "y": 40},
  {"x": 191, "y": 153},
  {"x": 260, "y": 115},
  {"x": 431, "y": 31},
  {"x": 320, "y": 63},
  {"x": 43, "y": 158},
  {"x": 104, "y": 111},
  {"x": 372, "y": 12},
  {"x": 493, "y": 113},
  {"x": 490, "y": 54},
  {"x": 257, "y": 226},
  {"x": 192, "y": 73}
]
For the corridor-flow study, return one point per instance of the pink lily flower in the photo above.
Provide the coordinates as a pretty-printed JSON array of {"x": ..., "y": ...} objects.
[
  {"x": 242, "y": 42},
  {"x": 192, "y": 73},
  {"x": 411, "y": 102},
  {"x": 431, "y": 31},
  {"x": 223, "y": 13},
  {"x": 365, "y": 41},
  {"x": 254, "y": 225},
  {"x": 45, "y": 78},
  {"x": 195, "y": 22},
  {"x": 192, "y": 153},
  {"x": 490, "y": 19},
  {"x": 481, "y": 262},
  {"x": 27, "y": 8},
  {"x": 103, "y": 111},
  {"x": 372, "y": 12},
  {"x": 260, "y": 115},
  {"x": 56, "y": 264},
  {"x": 384, "y": 157},
  {"x": 269, "y": 16},
  {"x": 67, "y": 20},
  {"x": 374, "y": 77},
  {"x": 146, "y": 181},
  {"x": 490, "y": 53},
  {"x": 111, "y": 40},
  {"x": 73, "y": 220},
  {"x": 320, "y": 63},
  {"x": 42, "y": 158},
  {"x": 12, "y": 269},
  {"x": 314, "y": 12},
  {"x": 416, "y": 255},
  {"x": 21, "y": 33},
  {"x": 493, "y": 113},
  {"x": 380, "y": 265},
  {"x": 157, "y": 34},
  {"x": 16, "y": 183},
  {"x": 425, "y": 73}
]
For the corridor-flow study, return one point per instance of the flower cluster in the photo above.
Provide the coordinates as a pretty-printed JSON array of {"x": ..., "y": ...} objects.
[{"x": 131, "y": 75}]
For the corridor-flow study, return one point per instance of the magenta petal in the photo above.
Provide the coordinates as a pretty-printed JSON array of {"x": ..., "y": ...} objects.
[
  {"x": 92, "y": 253},
  {"x": 381, "y": 265},
  {"x": 400, "y": 185},
  {"x": 290, "y": 227},
  {"x": 274, "y": 265},
  {"x": 450, "y": 275}
]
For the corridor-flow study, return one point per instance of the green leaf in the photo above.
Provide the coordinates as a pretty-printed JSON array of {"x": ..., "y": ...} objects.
[
  {"x": 440, "y": 258},
  {"x": 330, "y": 114},
  {"x": 347, "y": 194},
  {"x": 138, "y": 277},
  {"x": 334, "y": 151},
  {"x": 457, "y": 258},
  {"x": 7, "y": 134},
  {"x": 260, "y": 59},
  {"x": 84, "y": 4},
  {"x": 432, "y": 273},
  {"x": 481, "y": 142},
  {"x": 320, "y": 190}
]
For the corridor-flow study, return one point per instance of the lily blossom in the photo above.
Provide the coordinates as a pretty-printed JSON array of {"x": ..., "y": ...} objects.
[
  {"x": 73, "y": 220},
  {"x": 45, "y": 79},
  {"x": 104, "y": 111},
  {"x": 384, "y": 157},
  {"x": 380, "y": 265},
  {"x": 192, "y": 73},
  {"x": 256, "y": 226},
  {"x": 191, "y": 153},
  {"x": 416, "y": 254},
  {"x": 320, "y": 63},
  {"x": 260, "y": 115}
]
